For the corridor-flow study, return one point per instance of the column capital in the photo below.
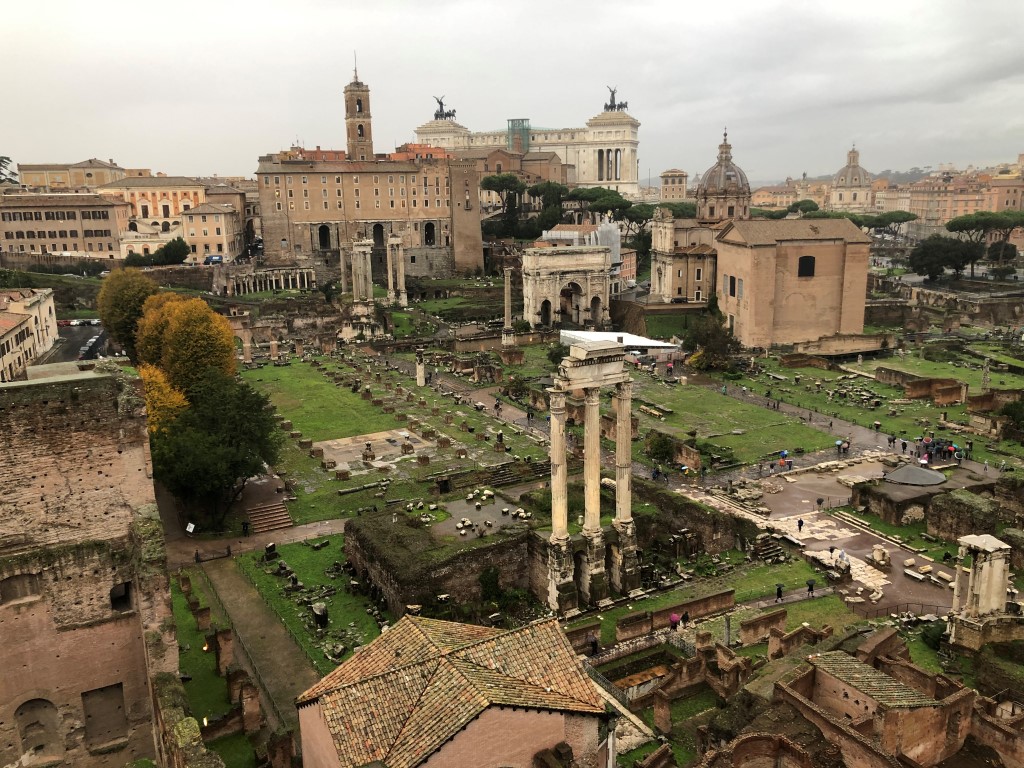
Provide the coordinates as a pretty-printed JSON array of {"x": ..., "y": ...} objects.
[
  {"x": 592, "y": 396},
  {"x": 624, "y": 388},
  {"x": 556, "y": 399}
]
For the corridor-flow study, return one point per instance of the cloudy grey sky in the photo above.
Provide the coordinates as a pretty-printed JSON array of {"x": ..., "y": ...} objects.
[{"x": 203, "y": 87}]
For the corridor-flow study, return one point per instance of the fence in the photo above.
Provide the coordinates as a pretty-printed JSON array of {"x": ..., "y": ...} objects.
[
  {"x": 606, "y": 684},
  {"x": 240, "y": 643}
]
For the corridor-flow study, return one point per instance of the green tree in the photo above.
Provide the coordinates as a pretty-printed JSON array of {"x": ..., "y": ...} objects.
[
  {"x": 714, "y": 343},
  {"x": 6, "y": 174},
  {"x": 602, "y": 200},
  {"x": 557, "y": 352},
  {"x": 509, "y": 188},
  {"x": 983, "y": 225},
  {"x": 551, "y": 193},
  {"x": 120, "y": 305},
  {"x": 891, "y": 222},
  {"x": 681, "y": 210},
  {"x": 206, "y": 454},
  {"x": 803, "y": 206},
  {"x": 1001, "y": 250},
  {"x": 172, "y": 252},
  {"x": 936, "y": 254},
  {"x": 765, "y": 213}
]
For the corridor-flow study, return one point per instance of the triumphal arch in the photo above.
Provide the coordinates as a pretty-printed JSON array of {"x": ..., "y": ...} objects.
[
  {"x": 567, "y": 285},
  {"x": 576, "y": 565}
]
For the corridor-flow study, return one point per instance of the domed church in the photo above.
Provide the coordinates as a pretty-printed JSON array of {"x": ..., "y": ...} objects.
[
  {"x": 723, "y": 191},
  {"x": 851, "y": 187}
]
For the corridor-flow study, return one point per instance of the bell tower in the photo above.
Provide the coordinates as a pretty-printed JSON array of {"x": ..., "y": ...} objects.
[{"x": 358, "y": 125}]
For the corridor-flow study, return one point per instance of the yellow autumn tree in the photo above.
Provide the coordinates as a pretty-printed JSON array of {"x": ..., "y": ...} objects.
[
  {"x": 149, "y": 333},
  {"x": 195, "y": 339},
  {"x": 163, "y": 402}
]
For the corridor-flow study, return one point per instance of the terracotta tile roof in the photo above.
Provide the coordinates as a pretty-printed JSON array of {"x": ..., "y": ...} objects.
[
  {"x": 887, "y": 691},
  {"x": 404, "y": 695},
  {"x": 130, "y": 182},
  {"x": 770, "y": 232},
  {"x": 11, "y": 320}
]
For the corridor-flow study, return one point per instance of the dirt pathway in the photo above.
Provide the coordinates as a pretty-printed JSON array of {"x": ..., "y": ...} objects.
[{"x": 281, "y": 665}]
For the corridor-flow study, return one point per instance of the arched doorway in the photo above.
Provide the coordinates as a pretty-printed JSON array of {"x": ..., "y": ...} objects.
[
  {"x": 165, "y": 227},
  {"x": 378, "y": 235},
  {"x": 324, "y": 237},
  {"x": 37, "y": 726},
  {"x": 133, "y": 226},
  {"x": 569, "y": 303},
  {"x": 428, "y": 233},
  {"x": 595, "y": 311},
  {"x": 545, "y": 313}
]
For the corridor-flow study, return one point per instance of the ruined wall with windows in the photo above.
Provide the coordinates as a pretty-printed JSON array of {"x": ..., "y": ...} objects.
[{"x": 84, "y": 605}]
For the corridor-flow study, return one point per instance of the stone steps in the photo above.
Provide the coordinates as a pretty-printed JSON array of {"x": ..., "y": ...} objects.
[{"x": 269, "y": 517}]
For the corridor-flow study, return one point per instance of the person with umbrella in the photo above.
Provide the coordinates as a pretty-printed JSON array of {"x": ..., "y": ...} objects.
[
  {"x": 810, "y": 587},
  {"x": 778, "y": 592},
  {"x": 673, "y": 622}
]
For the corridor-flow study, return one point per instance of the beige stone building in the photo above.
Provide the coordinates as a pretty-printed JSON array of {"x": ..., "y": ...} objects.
[
  {"x": 674, "y": 186},
  {"x": 446, "y": 695},
  {"x": 213, "y": 230},
  {"x": 312, "y": 211},
  {"x": 723, "y": 192},
  {"x": 83, "y": 590},
  {"x": 851, "y": 187},
  {"x": 792, "y": 280},
  {"x": 29, "y": 329},
  {"x": 64, "y": 177},
  {"x": 158, "y": 199},
  {"x": 603, "y": 153},
  {"x": 83, "y": 224}
]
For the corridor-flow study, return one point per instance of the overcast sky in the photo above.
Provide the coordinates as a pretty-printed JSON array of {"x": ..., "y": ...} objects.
[{"x": 197, "y": 88}]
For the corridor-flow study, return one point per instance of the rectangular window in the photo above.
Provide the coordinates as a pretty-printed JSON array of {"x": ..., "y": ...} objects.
[
  {"x": 739, "y": 288},
  {"x": 732, "y": 285},
  {"x": 323, "y": 179},
  {"x": 305, "y": 180},
  {"x": 337, "y": 179},
  {"x": 217, "y": 230},
  {"x": 698, "y": 274},
  {"x": 105, "y": 718},
  {"x": 326, "y": 206},
  {"x": 305, "y": 204}
]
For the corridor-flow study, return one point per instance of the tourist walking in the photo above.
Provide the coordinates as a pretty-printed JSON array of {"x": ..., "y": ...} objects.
[
  {"x": 778, "y": 593},
  {"x": 800, "y": 525}
]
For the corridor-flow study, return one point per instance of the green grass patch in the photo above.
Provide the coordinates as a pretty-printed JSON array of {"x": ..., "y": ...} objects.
[
  {"x": 923, "y": 656},
  {"x": 207, "y": 691},
  {"x": 236, "y": 751},
  {"x": 628, "y": 759},
  {"x": 818, "y": 612},
  {"x": 348, "y": 622},
  {"x": 664, "y": 326}
]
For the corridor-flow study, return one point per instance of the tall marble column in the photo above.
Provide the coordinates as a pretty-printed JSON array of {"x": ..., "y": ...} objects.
[
  {"x": 508, "y": 336},
  {"x": 421, "y": 369},
  {"x": 559, "y": 468},
  {"x": 390, "y": 268},
  {"x": 403, "y": 295},
  {"x": 592, "y": 460},
  {"x": 623, "y": 452}
]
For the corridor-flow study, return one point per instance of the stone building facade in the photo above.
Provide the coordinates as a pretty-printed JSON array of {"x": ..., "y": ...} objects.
[
  {"x": 683, "y": 259},
  {"x": 312, "y": 210},
  {"x": 603, "y": 153},
  {"x": 851, "y": 187},
  {"x": 28, "y": 329},
  {"x": 792, "y": 280},
  {"x": 723, "y": 192},
  {"x": 567, "y": 285},
  {"x": 157, "y": 199},
  {"x": 65, "y": 177},
  {"x": 674, "y": 186},
  {"x": 83, "y": 593},
  {"x": 80, "y": 224},
  {"x": 213, "y": 229}
]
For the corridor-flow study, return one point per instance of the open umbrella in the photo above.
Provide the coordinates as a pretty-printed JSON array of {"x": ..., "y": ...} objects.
[
  {"x": 784, "y": 454},
  {"x": 839, "y": 442},
  {"x": 674, "y": 618},
  {"x": 811, "y": 583}
]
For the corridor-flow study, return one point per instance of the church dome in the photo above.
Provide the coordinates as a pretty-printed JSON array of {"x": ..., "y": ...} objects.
[
  {"x": 724, "y": 177},
  {"x": 851, "y": 174}
]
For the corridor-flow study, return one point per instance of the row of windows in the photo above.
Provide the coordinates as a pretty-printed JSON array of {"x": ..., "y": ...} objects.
[
  {"x": 355, "y": 180},
  {"x": 698, "y": 274},
  {"x": 338, "y": 193},
  {"x": 38, "y": 215},
  {"x": 216, "y": 217},
  {"x": 341, "y": 207},
  {"x": 63, "y": 247},
  {"x": 40, "y": 234},
  {"x": 206, "y": 232}
]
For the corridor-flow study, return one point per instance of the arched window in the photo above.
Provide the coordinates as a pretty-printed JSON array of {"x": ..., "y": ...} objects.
[
  {"x": 805, "y": 267},
  {"x": 359, "y": 105},
  {"x": 359, "y": 131}
]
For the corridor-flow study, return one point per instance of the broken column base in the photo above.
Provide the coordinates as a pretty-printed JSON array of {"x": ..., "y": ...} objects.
[
  {"x": 562, "y": 595},
  {"x": 625, "y": 573},
  {"x": 593, "y": 580}
]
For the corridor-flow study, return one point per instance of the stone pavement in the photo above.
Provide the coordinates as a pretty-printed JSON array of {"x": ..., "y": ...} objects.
[{"x": 282, "y": 667}]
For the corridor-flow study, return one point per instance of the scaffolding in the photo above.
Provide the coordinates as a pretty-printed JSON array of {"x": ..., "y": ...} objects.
[{"x": 518, "y": 135}]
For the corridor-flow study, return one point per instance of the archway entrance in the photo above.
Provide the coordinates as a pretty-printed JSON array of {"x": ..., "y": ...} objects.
[
  {"x": 595, "y": 312},
  {"x": 569, "y": 303},
  {"x": 324, "y": 237},
  {"x": 429, "y": 238},
  {"x": 378, "y": 235},
  {"x": 37, "y": 724},
  {"x": 545, "y": 313}
]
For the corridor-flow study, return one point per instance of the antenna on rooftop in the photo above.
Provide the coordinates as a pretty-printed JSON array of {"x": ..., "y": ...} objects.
[{"x": 355, "y": 66}]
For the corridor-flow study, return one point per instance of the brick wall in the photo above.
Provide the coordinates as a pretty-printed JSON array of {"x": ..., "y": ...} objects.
[
  {"x": 646, "y": 622},
  {"x": 755, "y": 630}
]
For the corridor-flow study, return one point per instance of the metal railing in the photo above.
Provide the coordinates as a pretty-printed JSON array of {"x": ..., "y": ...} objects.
[
  {"x": 606, "y": 684},
  {"x": 918, "y": 609}
]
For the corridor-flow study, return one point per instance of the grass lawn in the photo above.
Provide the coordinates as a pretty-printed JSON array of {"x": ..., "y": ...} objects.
[
  {"x": 921, "y": 654},
  {"x": 348, "y": 622},
  {"x": 236, "y": 751},
  {"x": 971, "y": 376},
  {"x": 715, "y": 416},
  {"x": 663, "y": 326},
  {"x": 628, "y": 759},
  {"x": 207, "y": 691},
  {"x": 818, "y": 612},
  {"x": 317, "y": 408}
]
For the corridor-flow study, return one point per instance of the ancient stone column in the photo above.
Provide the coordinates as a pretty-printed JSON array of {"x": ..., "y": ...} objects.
[
  {"x": 391, "y": 252},
  {"x": 403, "y": 296},
  {"x": 341, "y": 269},
  {"x": 592, "y": 460},
  {"x": 421, "y": 369},
  {"x": 559, "y": 469},
  {"x": 508, "y": 336},
  {"x": 246, "y": 352},
  {"x": 623, "y": 452},
  {"x": 273, "y": 349}
]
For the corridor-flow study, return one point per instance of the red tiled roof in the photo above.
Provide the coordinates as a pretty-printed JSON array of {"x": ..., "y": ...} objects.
[{"x": 417, "y": 685}]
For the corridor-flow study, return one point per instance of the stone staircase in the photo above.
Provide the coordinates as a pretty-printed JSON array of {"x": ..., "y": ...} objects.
[
  {"x": 766, "y": 548},
  {"x": 269, "y": 517}
]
